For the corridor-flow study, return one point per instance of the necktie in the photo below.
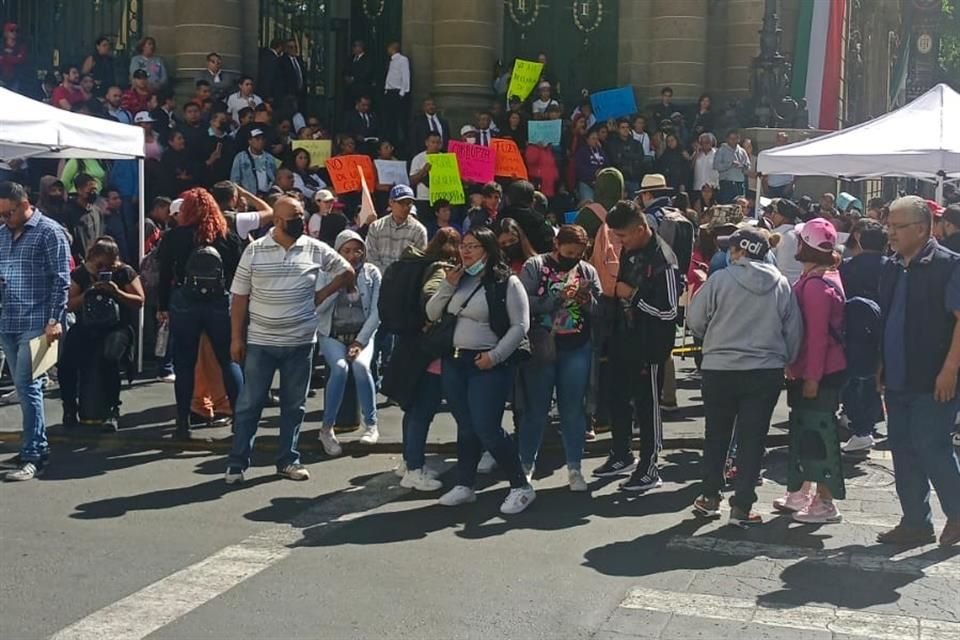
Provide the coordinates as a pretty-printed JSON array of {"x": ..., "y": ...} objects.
[
  {"x": 483, "y": 138},
  {"x": 433, "y": 124},
  {"x": 296, "y": 65},
  {"x": 366, "y": 121}
]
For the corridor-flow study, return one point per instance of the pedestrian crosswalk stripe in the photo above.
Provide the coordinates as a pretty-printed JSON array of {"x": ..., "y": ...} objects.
[
  {"x": 855, "y": 624},
  {"x": 936, "y": 563}
]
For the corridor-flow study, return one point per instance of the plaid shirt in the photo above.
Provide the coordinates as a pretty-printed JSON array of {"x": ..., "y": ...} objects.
[
  {"x": 386, "y": 240},
  {"x": 34, "y": 275}
]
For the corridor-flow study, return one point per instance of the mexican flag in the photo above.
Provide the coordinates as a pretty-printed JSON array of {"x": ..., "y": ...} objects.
[{"x": 817, "y": 59}]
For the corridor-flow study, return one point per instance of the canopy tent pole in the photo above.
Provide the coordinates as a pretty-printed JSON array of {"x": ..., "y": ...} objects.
[
  {"x": 939, "y": 196},
  {"x": 141, "y": 235},
  {"x": 756, "y": 202}
]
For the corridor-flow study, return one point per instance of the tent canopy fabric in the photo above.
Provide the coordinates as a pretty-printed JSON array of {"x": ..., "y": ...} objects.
[
  {"x": 32, "y": 129},
  {"x": 919, "y": 140}
]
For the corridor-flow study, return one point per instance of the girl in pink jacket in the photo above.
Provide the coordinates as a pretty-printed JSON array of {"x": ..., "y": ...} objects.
[{"x": 816, "y": 376}]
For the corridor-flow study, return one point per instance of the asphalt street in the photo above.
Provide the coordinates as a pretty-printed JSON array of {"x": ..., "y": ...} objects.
[{"x": 132, "y": 542}]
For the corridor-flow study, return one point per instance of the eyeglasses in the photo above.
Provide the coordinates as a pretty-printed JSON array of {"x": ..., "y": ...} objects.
[{"x": 903, "y": 225}]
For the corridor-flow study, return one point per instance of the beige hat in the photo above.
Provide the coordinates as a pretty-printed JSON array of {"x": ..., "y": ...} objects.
[
  {"x": 654, "y": 182},
  {"x": 175, "y": 206},
  {"x": 324, "y": 195}
]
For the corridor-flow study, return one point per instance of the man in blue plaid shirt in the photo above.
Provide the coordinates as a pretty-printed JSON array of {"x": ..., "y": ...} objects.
[{"x": 34, "y": 281}]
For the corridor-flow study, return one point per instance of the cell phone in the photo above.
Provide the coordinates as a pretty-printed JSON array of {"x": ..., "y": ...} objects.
[{"x": 105, "y": 276}]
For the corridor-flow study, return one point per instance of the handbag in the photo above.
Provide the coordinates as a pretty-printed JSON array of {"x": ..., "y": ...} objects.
[
  {"x": 543, "y": 346},
  {"x": 437, "y": 340}
]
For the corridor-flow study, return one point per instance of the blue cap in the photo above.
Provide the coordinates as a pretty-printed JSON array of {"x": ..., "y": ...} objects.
[{"x": 401, "y": 192}]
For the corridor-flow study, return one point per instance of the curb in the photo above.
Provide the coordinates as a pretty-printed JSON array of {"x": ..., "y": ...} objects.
[{"x": 115, "y": 441}]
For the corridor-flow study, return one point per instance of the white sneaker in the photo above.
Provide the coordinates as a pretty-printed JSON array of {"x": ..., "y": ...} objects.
[
  {"x": 576, "y": 481},
  {"x": 10, "y": 398},
  {"x": 518, "y": 500},
  {"x": 419, "y": 480},
  {"x": 26, "y": 471},
  {"x": 170, "y": 378},
  {"x": 458, "y": 495},
  {"x": 401, "y": 469},
  {"x": 233, "y": 476},
  {"x": 487, "y": 463},
  {"x": 328, "y": 439},
  {"x": 295, "y": 471},
  {"x": 370, "y": 435},
  {"x": 858, "y": 443}
]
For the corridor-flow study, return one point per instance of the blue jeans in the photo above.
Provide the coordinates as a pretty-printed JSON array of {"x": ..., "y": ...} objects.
[
  {"x": 417, "y": 419},
  {"x": 189, "y": 319},
  {"x": 295, "y": 365},
  {"x": 919, "y": 430},
  {"x": 16, "y": 347},
  {"x": 477, "y": 399},
  {"x": 862, "y": 405},
  {"x": 335, "y": 354},
  {"x": 729, "y": 190},
  {"x": 570, "y": 374}
]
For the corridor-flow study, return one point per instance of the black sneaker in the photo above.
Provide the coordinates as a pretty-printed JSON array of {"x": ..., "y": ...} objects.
[
  {"x": 111, "y": 424},
  {"x": 70, "y": 419},
  {"x": 183, "y": 429},
  {"x": 615, "y": 467},
  {"x": 744, "y": 519},
  {"x": 640, "y": 483}
]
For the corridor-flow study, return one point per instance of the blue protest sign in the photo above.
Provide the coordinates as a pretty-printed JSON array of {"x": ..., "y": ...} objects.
[
  {"x": 543, "y": 131},
  {"x": 613, "y": 103},
  {"x": 570, "y": 217}
]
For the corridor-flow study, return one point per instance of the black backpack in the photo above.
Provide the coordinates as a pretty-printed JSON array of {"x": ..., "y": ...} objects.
[
  {"x": 204, "y": 274},
  {"x": 400, "y": 306},
  {"x": 99, "y": 311}
]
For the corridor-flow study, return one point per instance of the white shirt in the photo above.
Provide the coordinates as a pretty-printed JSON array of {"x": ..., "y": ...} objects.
[
  {"x": 398, "y": 74},
  {"x": 281, "y": 284},
  {"x": 541, "y": 106},
  {"x": 433, "y": 122},
  {"x": 419, "y": 162},
  {"x": 703, "y": 171},
  {"x": 236, "y": 102},
  {"x": 786, "y": 252}
]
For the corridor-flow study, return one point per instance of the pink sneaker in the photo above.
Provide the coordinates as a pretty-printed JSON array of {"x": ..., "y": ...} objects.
[
  {"x": 793, "y": 502},
  {"x": 818, "y": 512}
]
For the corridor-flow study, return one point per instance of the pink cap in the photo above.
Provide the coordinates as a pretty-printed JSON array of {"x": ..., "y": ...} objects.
[{"x": 819, "y": 234}]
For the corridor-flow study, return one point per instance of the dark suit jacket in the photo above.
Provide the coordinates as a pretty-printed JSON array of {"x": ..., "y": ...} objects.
[
  {"x": 354, "y": 125},
  {"x": 362, "y": 73},
  {"x": 293, "y": 85},
  {"x": 268, "y": 81},
  {"x": 421, "y": 127}
]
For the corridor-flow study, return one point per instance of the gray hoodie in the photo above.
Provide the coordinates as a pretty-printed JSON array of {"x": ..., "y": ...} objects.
[{"x": 747, "y": 317}]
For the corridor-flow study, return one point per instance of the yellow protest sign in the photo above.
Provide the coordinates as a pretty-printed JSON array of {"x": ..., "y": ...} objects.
[
  {"x": 524, "y": 78},
  {"x": 319, "y": 150},
  {"x": 445, "y": 183}
]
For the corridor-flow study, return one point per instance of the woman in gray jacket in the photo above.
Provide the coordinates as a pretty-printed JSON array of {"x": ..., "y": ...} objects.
[{"x": 564, "y": 292}]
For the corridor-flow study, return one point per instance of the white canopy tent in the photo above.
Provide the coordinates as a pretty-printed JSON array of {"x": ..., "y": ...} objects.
[
  {"x": 920, "y": 140},
  {"x": 32, "y": 129}
]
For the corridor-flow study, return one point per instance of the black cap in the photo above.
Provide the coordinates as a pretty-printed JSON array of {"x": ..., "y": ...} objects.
[
  {"x": 140, "y": 73},
  {"x": 753, "y": 241}
]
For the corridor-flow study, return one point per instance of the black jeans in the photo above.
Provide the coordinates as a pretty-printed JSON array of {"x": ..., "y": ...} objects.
[
  {"x": 747, "y": 399},
  {"x": 635, "y": 393}
]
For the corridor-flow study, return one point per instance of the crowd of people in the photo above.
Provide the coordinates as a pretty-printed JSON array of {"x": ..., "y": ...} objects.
[{"x": 253, "y": 260}]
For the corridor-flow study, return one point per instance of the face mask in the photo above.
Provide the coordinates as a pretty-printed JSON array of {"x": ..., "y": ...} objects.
[
  {"x": 476, "y": 268},
  {"x": 92, "y": 197},
  {"x": 566, "y": 264},
  {"x": 513, "y": 252},
  {"x": 293, "y": 228}
]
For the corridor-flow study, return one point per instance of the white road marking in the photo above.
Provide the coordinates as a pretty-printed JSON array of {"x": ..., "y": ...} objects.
[
  {"x": 940, "y": 562},
  {"x": 856, "y": 624},
  {"x": 163, "y": 602}
]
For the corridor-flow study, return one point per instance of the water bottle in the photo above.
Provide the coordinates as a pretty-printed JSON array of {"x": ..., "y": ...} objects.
[{"x": 163, "y": 338}]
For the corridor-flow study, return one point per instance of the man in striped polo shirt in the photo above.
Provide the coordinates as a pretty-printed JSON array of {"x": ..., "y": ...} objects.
[{"x": 281, "y": 280}]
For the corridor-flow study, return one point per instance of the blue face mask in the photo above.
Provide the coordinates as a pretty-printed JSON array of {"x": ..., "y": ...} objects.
[{"x": 476, "y": 268}]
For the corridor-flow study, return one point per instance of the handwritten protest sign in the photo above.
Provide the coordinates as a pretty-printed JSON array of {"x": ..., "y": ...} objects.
[
  {"x": 613, "y": 103},
  {"x": 343, "y": 172},
  {"x": 509, "y": 161},
  {"x": 319, "y": 150},
  {"x": 524, "y": 78},
  {"x": 476, "y": 162},
  {"x": 445, "y": 181},
  {"x": 543, "y": 131},
  {"x": 392, "y": 172}
]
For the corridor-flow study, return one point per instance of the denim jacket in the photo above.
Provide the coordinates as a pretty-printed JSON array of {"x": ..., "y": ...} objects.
[{"x": 368, "y": 284}]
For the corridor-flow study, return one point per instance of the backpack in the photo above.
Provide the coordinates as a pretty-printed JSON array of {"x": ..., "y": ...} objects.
[
  {"x": 204, "y": 274},
  {"x": 150, "y": 273},
  {"x": 860, "y": 335},
  {"x": 678, "y": 231},
  {"x": 99, "y": 310},
  {"x": 400, "y": 306}
]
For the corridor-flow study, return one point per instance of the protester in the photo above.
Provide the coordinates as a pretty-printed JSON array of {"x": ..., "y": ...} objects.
[
  {"x": 197, "y": 260},
  {"x": 627, "y": 155},
  {"x": 520, "y": 196},
  {"x": 348, "y": 320},
  {"x": 732, "y": 164},
  {"x": 816, "y": 377},
  {"x": 920, "y": 300},
  {"x": 478, "y": 373},
  {"x": 784, "y": 217},
  {"x": 327, "y": 223},
  {"x": 146, "y": 60},
  {"x": 589, "y": 159},
  {"x": 744, "y": 356},
  {"x": 35, "y": 263},
  {"x": 514, "y": 244},
  {"x": 255, "y": 169},
  {"x": 951, "y": 228},
  {"x": 563, "y": 291}
]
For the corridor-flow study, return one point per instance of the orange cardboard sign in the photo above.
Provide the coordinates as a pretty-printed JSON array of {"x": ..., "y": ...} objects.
[
  {"x": 344, "y": 174},
  {"x": 509, "y": 163}
]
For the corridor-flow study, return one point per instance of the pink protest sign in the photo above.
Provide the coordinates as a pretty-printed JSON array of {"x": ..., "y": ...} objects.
[{"x": 476, "y": 162}]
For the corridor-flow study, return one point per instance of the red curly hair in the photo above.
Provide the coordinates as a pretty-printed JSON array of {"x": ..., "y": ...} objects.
[{"x": 200, "y": 209}]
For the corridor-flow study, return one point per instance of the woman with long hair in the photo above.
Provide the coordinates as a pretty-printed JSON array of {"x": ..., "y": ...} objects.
[
  {"x": 105, "y": 294},
  {"x": 197, "y": 260},
  {"x": 706, "y": 201},
  {"x": 564, "y": 291},
  {"x": 574, "y": 138},
  {"x": 590, "y": 159},
  {"x": 306, "y": 180},
  {"x": 815, "y": 380},
  {"x": 515, "y": 128},
  {"x": 491, "y": 317},
  {"x": 674, "y": 164},
  {"x": 703, "y": 121},
  {"x": 148, "y": 60},
  {"x": 514, "y": 244}
]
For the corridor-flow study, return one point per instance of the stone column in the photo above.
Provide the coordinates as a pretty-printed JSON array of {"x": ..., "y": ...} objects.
[
  {"x": 464, "y": 52},
  {"x": 202, "y": 26},
  {"x": 633, "y": 49},
  {"x": 157, "y": 21},
  {"x": 678, "y": 47},
  {"x": 744, "y": 20},
  {"x": 417, "y": 44}
]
